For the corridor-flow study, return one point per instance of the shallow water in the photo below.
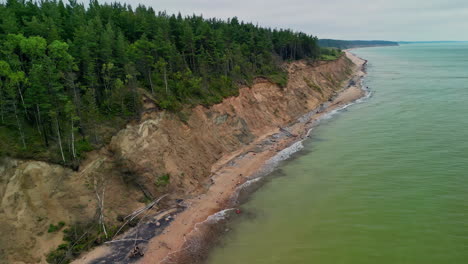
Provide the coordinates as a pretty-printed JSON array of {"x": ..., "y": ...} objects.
[{"x": 384, "y": 182}]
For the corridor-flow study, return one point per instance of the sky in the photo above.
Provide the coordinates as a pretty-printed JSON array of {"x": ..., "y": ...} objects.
[{"x": 397, "y": 20}]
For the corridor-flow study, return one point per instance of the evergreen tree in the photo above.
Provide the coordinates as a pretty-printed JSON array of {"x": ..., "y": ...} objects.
[{"x": 67, "y": 70}]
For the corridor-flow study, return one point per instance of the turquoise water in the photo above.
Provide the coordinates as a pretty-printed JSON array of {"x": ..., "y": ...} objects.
[{"x": 384, "y": 182}]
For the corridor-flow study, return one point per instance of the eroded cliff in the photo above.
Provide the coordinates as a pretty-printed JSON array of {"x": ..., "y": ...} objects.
[{"x": 163, "y": 153}]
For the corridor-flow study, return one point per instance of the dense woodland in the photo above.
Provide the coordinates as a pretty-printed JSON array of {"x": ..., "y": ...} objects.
[{"x": 70, "y": 74}]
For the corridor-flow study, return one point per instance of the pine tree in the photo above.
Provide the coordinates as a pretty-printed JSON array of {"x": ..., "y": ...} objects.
[{"x": 67, "y": 69}]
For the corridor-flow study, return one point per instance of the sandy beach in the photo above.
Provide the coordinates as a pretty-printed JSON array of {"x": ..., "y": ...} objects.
[{"x": 175, "y": 243}]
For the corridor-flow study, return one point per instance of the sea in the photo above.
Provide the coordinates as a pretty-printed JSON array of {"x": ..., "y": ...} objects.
[{"x": 384, "y": 181}]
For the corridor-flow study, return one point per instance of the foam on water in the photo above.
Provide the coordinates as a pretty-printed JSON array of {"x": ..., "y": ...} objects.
[
  {"x": 256, "y": 181},
  {"x": 270, "y": 165},
  {"x": 221, "y": 215},
  {"x": 385, "y": 183}
]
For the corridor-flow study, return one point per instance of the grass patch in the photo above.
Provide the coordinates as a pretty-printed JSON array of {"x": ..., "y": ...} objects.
[
  {"x": 330, "y": 54},
  {"x": 163, "y": 180},
  {"x": 280, "y": 78},
  {"x": 330, "y": 79},
  {"x": 54, "y": 228},
  {"x": 328, "y": 57},
  {"x": 313, "y": 85}
]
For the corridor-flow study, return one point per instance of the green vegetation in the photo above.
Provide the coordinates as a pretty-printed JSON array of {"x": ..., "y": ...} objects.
[
  {"x": 280, "y": 78},
  {"x": 71, "y": 76},
  {"x": 313, "y": 85},
  {"x": 54, "y": 228},
  {"x": 163, "y": 180},
  {"x": 81, "y": 237},
  {"x": 329, "y": 54},
  {"x": 328, "y": 57},
  {"x": 331, "y": 79}
]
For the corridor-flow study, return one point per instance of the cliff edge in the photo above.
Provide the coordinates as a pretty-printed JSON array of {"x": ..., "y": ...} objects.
[{"x": 164, "y": 153}]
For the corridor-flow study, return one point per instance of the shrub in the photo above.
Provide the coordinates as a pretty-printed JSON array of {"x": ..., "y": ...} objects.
[
  {"x": 54, "y": 228},
  {"x": 162, "y": 180}
]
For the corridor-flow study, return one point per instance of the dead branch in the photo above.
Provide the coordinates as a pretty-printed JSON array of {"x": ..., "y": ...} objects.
[
  {"x": 123, "y": 240},
  {"x": 137, "y": 212},
  {"x": 100, "y": 202}
]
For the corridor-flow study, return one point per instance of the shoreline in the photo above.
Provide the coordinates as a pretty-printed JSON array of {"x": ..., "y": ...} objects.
[
  {"x": 192, "y": 232},
  {"x": 250, "y": 169}
]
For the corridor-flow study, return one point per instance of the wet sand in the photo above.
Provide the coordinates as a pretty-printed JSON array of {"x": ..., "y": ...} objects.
[{"x": 182, "y": 241}]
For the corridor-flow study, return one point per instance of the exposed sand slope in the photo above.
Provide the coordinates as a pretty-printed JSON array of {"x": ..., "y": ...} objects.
[
  {"x": 195, "y": 152},
  {"x": 271, "y": 107},
  {"x": 228, "y": 178}
]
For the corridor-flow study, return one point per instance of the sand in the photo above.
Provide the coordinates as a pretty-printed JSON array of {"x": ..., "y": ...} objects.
[
  {"x": 229, "y": 173},
  {"x": 228, "y": 178}
]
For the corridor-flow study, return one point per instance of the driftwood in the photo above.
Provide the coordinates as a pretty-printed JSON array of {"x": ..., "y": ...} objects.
[
  {"x": 124, "y": 240},
  {"x": 137, "y": 212}
]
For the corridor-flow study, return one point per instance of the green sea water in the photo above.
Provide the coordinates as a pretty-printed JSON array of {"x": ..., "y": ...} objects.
[{"x": 385, "y": 181}]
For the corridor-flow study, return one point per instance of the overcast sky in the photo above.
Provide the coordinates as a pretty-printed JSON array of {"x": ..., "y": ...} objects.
[{"x": 340, "y": 19}]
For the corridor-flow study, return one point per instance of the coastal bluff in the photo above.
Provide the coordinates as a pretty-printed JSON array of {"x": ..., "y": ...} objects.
[{"x": 162, "y": 153}]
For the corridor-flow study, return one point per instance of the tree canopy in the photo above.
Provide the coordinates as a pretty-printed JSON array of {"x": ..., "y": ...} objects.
[{"x": 65, "y": 68}]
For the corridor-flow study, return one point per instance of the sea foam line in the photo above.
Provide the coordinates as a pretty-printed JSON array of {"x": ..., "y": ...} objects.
[{"x": 272, "y": 163}]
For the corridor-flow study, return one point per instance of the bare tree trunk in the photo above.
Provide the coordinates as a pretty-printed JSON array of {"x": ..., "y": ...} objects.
[
  {"x": 151, "y": 82},
  {"x": 100, "y": 200},
  {"x": 1, "y": 106},
  {"x": 19, "y": 125},
  {"x": 59, "y": 138},
  {"x": 102, "y": 211},
  {"x": 37, "y": 123},
  {"x": 134, "y": 95},
  {"x": 76, "y": 96},
  {"x": 22, "y": 99},
  {"x": 1, "y": 110},
  {"x": 133, "y": 215},
  {"x": 73, "y": 140},
  {"x": 41, "y": 125},
  {"x": 165, "y": 79}
]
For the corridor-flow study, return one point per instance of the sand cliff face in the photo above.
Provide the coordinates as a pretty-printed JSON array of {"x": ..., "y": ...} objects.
[
  {"x": 188, "y": 150},
  {"x": 188, "y": 147}
]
